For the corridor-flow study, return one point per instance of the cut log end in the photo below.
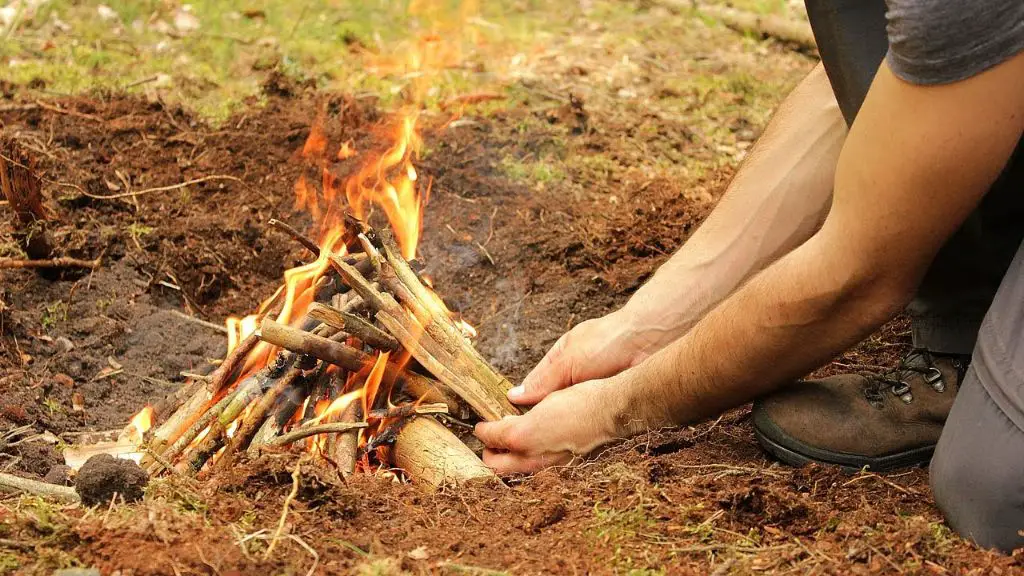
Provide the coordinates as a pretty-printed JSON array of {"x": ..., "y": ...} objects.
[{"x": 431, "y": 454}]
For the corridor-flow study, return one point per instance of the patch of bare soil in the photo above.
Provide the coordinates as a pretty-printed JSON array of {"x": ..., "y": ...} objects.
[{"x": 521, "y": 263}]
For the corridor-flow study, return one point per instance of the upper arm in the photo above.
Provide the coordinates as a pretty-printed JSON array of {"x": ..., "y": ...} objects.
[
  {"x": 916, "y": 162},
  {"x": 942, "y": 41}
]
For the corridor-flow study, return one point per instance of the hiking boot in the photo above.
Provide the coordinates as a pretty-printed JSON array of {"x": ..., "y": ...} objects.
[{"x": 882, "y": 422}]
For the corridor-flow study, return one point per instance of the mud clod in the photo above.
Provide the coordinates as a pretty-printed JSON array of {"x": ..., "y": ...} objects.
[{"x": 102, "y": 476}]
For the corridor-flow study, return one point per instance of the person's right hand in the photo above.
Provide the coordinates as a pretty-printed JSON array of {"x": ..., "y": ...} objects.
[{"x": 594, "y": 349}]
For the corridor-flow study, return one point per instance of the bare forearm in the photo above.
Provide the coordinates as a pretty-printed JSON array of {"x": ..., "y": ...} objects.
[
  {"x": 791, "y": 318},
  {"x": 909, "y": 143},
  {"x": 776, "y": 201}
]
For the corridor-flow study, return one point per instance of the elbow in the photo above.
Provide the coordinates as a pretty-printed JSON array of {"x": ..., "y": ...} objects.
[{"x": 875, "y": 292}]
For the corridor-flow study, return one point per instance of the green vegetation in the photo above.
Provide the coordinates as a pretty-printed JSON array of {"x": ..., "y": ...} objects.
[{"x": 213, "y": 55}]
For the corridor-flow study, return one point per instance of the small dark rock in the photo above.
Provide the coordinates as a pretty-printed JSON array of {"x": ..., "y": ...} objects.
[
  {"x": 59, "y": 474},
  {"x": 102, "y": 476}
]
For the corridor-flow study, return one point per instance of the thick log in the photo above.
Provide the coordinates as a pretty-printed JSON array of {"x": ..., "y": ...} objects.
[{"x": 429, "y": 453}]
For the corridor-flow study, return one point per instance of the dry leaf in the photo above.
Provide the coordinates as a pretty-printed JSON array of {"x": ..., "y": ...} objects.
[{"x": 419, "y": 553}]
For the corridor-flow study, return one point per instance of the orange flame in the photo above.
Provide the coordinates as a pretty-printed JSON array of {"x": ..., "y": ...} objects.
[{"x": 140, "y": 424}]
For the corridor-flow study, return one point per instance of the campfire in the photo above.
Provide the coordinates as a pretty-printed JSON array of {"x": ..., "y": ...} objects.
[{"x": 355, "y": 361}]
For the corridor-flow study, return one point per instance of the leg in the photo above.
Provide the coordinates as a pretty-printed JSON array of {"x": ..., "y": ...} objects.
[
  {"x": 957, "y": 290},
  {"x": 977, "y": 473}
]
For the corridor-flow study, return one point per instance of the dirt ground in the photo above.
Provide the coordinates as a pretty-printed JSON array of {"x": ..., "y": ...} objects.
[{"x": 543, "y": 213}]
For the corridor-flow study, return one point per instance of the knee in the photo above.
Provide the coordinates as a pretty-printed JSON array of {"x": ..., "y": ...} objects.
[{"x": 981, "y": 499}]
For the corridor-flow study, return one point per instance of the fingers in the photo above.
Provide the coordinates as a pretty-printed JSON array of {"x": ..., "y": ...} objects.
[
  {"x": 554, "y": 372},
  {"x": 512, "y": 462},
  {"x": 498, "y": 434}
]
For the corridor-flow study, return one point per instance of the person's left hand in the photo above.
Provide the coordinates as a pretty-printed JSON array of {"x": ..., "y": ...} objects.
[{"x": 565, "y": 424}]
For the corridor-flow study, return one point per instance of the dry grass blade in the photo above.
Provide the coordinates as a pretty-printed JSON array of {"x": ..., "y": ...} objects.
[{"x": 180, "y": 185}]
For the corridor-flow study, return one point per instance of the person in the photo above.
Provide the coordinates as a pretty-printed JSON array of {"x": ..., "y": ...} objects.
[{"x": 825, "y": 234}]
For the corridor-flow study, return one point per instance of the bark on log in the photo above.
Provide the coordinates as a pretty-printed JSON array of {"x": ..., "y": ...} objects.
[{"x": 431, "y": 454}]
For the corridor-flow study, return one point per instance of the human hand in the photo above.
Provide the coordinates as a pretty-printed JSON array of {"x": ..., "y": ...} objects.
[
  {"x": 598, "y": 348},
  {"x": 565, "y": 424}
]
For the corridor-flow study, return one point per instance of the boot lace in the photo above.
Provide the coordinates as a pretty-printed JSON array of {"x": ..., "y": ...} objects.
[{"x": 895, "y": 381}]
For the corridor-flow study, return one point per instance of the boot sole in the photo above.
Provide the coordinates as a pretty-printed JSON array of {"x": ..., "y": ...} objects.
[{"x": 791, "y": 451}]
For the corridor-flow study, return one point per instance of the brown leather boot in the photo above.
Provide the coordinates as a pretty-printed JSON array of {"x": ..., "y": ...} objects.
[{"x": 882, "y": 422}]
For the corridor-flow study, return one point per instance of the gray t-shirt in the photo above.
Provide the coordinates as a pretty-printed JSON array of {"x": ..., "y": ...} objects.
[{"x": 942, "y": 41}]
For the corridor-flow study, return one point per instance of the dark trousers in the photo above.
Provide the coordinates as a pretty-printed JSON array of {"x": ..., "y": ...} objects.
[{"x": 971, "y": 299}]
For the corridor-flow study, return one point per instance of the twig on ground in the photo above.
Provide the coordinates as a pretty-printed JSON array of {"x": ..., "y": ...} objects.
[
  {"x": 9, "y": 263},
  {"x": 135, "y": 193},
  {"x": 296, "y": 474},
  {"x": 74, "y": 113},
  {"x": 19, "y": 484},
  {"x": 200, "y": 322},
  {"x": 865, "y": 474}
]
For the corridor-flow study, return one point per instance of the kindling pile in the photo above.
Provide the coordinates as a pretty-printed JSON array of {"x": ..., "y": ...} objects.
[{"x": 373, "y": 374}]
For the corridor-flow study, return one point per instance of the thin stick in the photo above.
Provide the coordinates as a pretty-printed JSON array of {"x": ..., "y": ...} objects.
[
  {"x": 7, "y": 263},
  {"x": 406, "y": 410},
  {"x": 301, "y": 238},
  {"x": 161, "y": 188},
  {"x": 19, "y": 484},
  {"x": 307, "y": 431},
  {"x": 354, "y": 325},
  {"x": 200, "y": 322},
  {"x": 284, "y": 510},
  {"x": 354, "y": 360},
  {"x": 221, "y": 376}
]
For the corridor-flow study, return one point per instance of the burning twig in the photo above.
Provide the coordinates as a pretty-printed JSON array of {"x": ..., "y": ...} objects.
[
  {"x": 407, "y": 410},
  {"x": 301, "y": 238},
  {"x": 18, "y": 484},
  {"x": 354, "y": 325},
  {"x": 307, "y": 431},
  {"x": 344, "y": 448},
  {"x": 254, "y": 419},
  {"x": 351, "y": 359}
]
